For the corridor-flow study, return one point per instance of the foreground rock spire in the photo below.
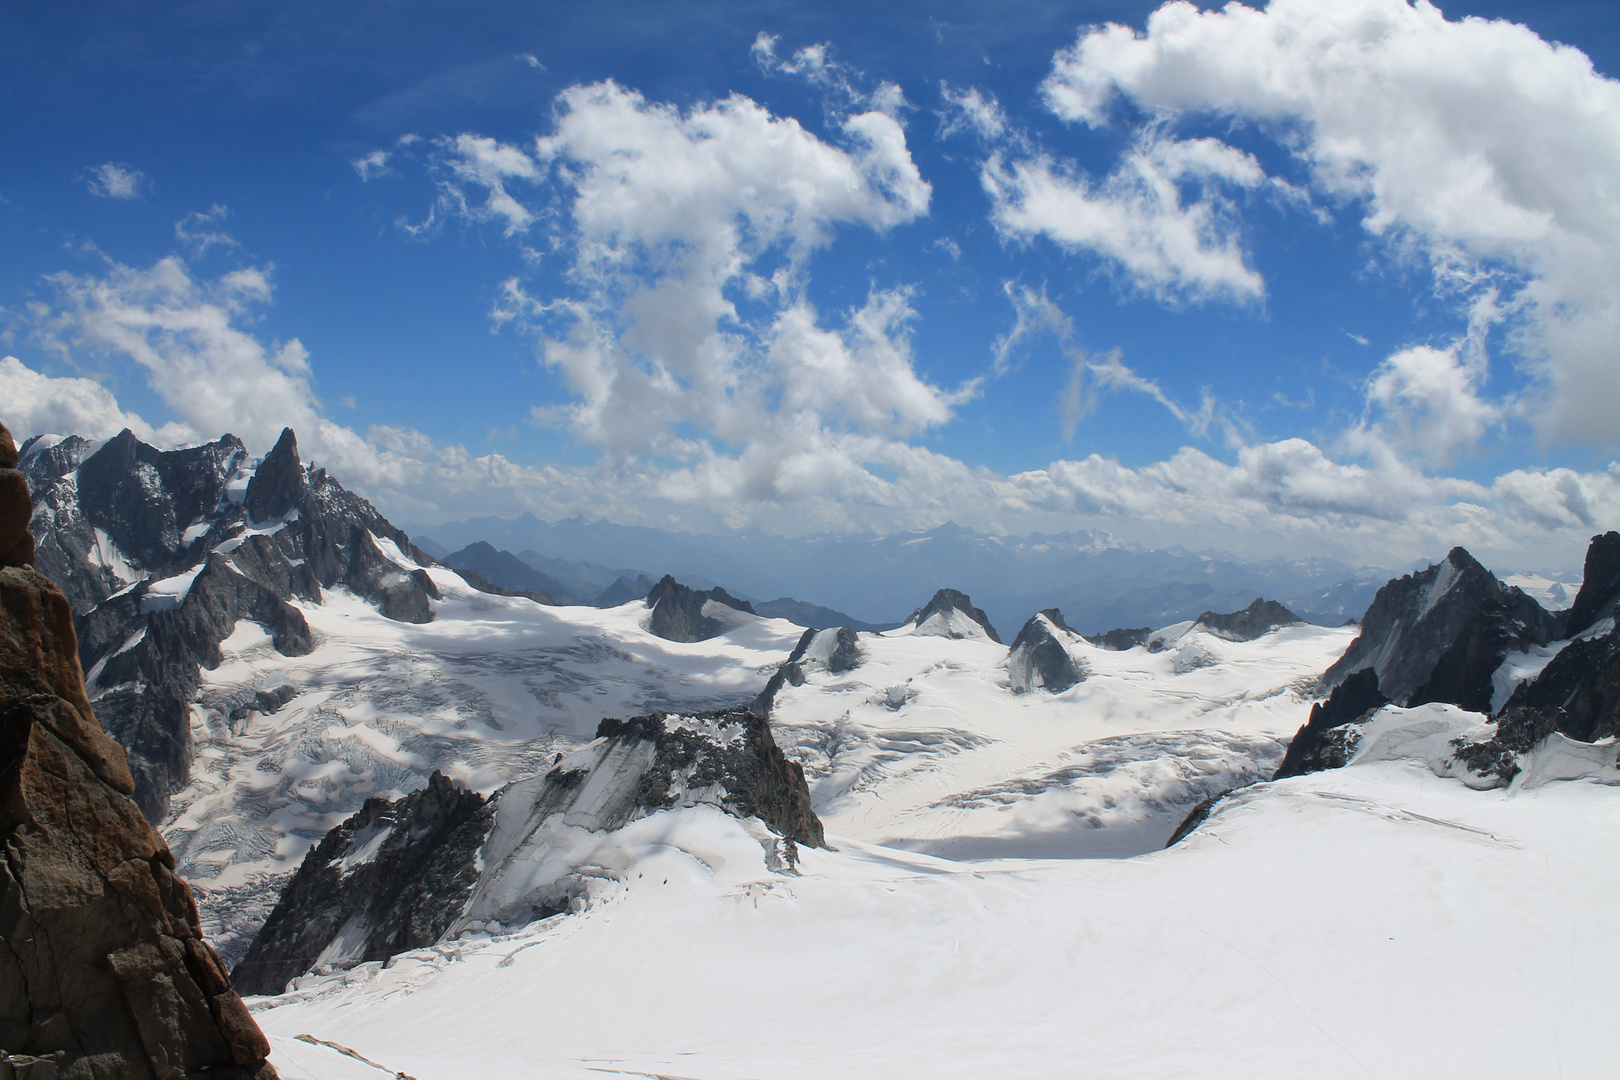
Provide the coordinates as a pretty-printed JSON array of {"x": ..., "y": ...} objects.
[{"x": 104, "y": 974}]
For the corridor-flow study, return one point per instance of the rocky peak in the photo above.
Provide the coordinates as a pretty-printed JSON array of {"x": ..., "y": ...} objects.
[
  {"x": 1600, "y": 587},
  {"x": 279, "y": 483},
  {"x": 104, "y": 970},
  {"x": 1439, "y": 634},
  {"x": 162, "y": 552},
  {"x": 677, "y": 613},
  {"x": 677, "y": 610},
  {"x": 1040, "y": 657},
  {"x": 1260, "y": 617},
  {"x": 951, "y": 614}
]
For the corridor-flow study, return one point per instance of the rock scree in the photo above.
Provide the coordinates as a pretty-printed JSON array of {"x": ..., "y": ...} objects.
[{"x": 105, "y": 974}]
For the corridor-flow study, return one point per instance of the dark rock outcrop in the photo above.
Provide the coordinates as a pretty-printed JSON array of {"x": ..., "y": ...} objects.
[
  {"x": 790, "y": 671},
  {"x": 1198, "y": 815},
  {"x": 391, "y": 878},
  {"x": 1438, "y": 635},
  {"x": 677, "y": 611},
  {"x": 1578, "y": 690},
  {"x": 846, "y": 652},
  {"x": 945, "y": 602},
  {"x": 1518, "y": 730},
  {"x": 1327, "y": 740},
  {"x": 1260, "y": 617},
  {"x": 162, "y": 552},
  {"x": 104, "y": 973},
  {"x": 1600, "y": 587},
  {"x": 1039, "y": 659},
  {"x": 279, "y": 485},
  {"x": 751, "y": 774},
  {"x": 1121, "y": 638},
  {"x": 1442, "y": 636}
]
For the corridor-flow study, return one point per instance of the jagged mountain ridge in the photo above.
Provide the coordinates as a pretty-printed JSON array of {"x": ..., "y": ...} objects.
[
  {"x": 162, "y": 552},
  {"x": 104, "y": 970},
  {"x": 1453, "y": 634}
]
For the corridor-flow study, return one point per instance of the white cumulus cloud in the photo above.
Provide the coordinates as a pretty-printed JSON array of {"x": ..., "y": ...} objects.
[
  {"x": 1475, "y": 141},
  {"x": 1139, "y": 218}
]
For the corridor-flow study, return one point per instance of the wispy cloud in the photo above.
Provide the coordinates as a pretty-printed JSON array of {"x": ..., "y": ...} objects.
[
  {"x": 113, "y": 180},
  {"x": 199, "y": 230}
]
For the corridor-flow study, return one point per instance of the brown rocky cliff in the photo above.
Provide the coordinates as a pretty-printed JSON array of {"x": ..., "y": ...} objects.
[{"x": 104, "y": 973}]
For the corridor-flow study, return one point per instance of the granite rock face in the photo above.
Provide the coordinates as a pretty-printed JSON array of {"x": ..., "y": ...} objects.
[
  {"x": 391, "y": 878},
  {"x": 1259, "y": 618},
  {"x": 1439, "y": 634},
  {"x": 161, "y": 553},
  {"x": 104, "y": 974},
  {"x": 1600, "y": 587},
  {"x": 1040, "y": 658},
  {"x": 1327, "y": 741},
  {"x": 1446, "y": 635},
  {"x": 403, "y": 875}
]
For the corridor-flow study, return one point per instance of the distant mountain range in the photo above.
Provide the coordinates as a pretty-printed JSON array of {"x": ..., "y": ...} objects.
[
  {"x": 595, "y": 585},
  {"x": 1099, "y": 581}
]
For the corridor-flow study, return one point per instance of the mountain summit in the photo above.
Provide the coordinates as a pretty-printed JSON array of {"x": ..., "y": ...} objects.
[{"x": 161, "y": 552}]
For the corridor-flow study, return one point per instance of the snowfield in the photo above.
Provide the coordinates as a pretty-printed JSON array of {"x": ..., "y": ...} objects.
[
  {"x": 489, "y": 691},
  {"x": 924, "y": 745},
  {"x": 995, "y": 901},
  {"x": 1375, "y": 921}
]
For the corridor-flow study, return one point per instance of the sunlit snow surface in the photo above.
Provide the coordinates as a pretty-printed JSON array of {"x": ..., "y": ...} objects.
[
  {"x": 924, "y": 745},
  {"x": 1379, "y": 920},
  {"x": 487, "y": 692}
]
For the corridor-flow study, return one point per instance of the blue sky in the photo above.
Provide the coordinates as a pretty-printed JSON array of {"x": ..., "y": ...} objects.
[{"x": 1323, "y": 278}]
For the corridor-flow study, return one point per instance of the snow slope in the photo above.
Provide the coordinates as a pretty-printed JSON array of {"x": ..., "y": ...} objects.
[
  {"x": 487, "y": 692},
  {"x": 925, "y": 746},
  {"x": 1375, "y": 921}
]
